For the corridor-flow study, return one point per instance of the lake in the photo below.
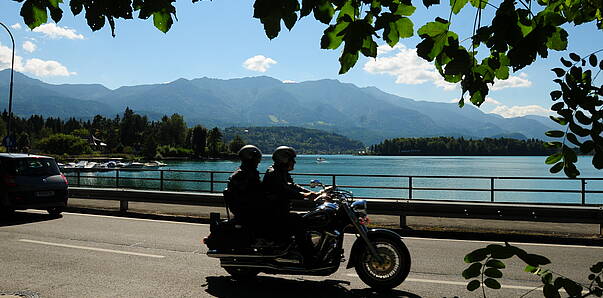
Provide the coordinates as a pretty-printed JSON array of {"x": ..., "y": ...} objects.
[{"x": 488, "y": 166}]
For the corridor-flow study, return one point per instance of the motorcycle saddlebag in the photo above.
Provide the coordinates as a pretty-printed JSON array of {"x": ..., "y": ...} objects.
[{"x": 228, "y": 234}]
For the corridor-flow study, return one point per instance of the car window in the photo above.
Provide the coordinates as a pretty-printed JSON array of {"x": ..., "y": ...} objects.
[{"x": 31, "y": 167}]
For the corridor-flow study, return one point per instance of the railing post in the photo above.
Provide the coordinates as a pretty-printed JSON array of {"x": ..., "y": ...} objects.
[
  {"x": 584, "y": 191},
  {"x": 334, "y": 181},
  {"x": 492, "y": 190},
  {"x": 79, "y": 173},
  {"x": 211, "y": 182},
  {"x": 123, "y": 206},
  {"x": 116, "y": 178},
  {"x": 161, "y": 180},
  {"x": 410, "y": 188}
]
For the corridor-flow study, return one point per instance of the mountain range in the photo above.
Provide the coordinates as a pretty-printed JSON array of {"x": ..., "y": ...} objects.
[{"x": 365, "y": 114}]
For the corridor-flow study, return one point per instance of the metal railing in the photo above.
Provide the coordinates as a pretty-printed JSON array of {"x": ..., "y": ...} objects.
[{"x": 407, "y": 190}]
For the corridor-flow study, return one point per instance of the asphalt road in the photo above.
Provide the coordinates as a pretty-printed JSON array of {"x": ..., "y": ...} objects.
[{"x": 82, "y": 255}]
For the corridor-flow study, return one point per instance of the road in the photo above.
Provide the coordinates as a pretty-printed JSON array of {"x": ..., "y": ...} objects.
[{"x": 83, "y": 255}]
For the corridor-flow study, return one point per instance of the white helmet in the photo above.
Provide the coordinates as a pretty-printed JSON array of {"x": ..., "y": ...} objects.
[{"x": 283, "y": 154}]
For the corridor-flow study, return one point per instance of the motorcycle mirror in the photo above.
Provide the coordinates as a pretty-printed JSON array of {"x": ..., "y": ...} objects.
[{"x": 315, "y": 183}]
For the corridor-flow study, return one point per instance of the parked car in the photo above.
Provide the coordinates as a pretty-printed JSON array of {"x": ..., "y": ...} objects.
[{"x": 31, "y": 182}]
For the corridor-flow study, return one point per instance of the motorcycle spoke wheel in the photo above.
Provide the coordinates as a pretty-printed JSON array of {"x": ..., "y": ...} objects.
[{"x": 388, "y": 273}]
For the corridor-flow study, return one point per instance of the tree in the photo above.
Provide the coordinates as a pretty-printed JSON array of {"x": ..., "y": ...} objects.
[
  {"x": 514, "y": 37},
  {"x": 23, "y": 142},
  {"x": 214, "y": 141},
  {"x": 62, "y": 143},
  {"x": 198, "y": 140},
  {"x": 236, "y": 144}
]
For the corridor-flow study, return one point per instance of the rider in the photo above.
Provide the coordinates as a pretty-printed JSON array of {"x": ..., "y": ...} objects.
[
  {"x": 280, "y": 190},
  {"x": 244, "y": 193}
]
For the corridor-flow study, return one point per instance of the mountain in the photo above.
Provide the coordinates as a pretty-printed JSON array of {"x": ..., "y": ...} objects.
[
  {"x": 31, "y": 96},
  {"x": 365, "y": 114},
  {"x": 304, "y": 140}
]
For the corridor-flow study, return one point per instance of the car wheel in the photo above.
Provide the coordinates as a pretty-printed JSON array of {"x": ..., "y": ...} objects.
[{"x": 56, "y": 211}]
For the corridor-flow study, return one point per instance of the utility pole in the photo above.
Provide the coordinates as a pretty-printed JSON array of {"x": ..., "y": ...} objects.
[{"x": 9, "y": 139}]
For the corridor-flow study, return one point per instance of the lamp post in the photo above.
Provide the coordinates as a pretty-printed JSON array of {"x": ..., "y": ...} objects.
[{"x": 9, "y": 141}]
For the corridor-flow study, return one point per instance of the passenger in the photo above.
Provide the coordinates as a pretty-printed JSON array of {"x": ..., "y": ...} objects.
[{"x": 244, "y": 194}]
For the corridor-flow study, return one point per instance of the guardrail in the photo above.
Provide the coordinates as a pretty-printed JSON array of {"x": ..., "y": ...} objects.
[
  {"x": 488, "y": 189},
  {"x": 402, "y": 208}
]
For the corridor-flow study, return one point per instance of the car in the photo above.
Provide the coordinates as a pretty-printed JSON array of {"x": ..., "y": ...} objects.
[{"x": 31, "y": 182}]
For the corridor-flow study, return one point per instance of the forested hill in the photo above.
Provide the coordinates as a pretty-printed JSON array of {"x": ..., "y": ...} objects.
[
  {"x": 305, "y": 141},
  {"x": 459, "y": 146}
]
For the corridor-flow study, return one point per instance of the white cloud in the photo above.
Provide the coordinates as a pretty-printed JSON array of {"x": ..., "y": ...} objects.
[
  {"x": 53, "y": 31},
  {"x": 289, "y": 82},
  {"x": 46, "y": 68},
  {"x": 406, "y": 66},
  {"x": 16, "y": 26},
  {"x": 518, "y": 111},
  {"x": 258, "y": 63},
  {"x": 512, "y": 82},
  {"x": 29, "y": 46},
  {"x": 34, "y": 66},
  {"x": 492, "y": 101}
]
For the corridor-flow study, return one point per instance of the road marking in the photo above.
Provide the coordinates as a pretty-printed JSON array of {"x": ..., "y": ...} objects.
[
  {"x": 449, "y": 282},
  {"x": 492, "y": 242},
  {"x": 92, "y": 248},
  {"x": 409, "y": 238}
]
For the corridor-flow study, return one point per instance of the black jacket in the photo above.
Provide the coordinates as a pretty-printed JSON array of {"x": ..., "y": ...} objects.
[
  {"x": 280, "y": 189},
  {"x": 244, "y": 193}
]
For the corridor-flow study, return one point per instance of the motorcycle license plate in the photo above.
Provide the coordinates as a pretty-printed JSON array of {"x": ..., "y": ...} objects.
[{"x": 48, "y": 193}]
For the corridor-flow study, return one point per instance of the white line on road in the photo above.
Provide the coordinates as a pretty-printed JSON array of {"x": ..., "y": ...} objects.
[
  {"x": 410, "y": 238},
  {"x": 490, "y": 242},
  {"x": 449, "y": 282},
  {"x": 92, "y": 248}
]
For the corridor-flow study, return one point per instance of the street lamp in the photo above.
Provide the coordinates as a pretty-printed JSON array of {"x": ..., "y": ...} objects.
[{"x": 9, "y": 142}]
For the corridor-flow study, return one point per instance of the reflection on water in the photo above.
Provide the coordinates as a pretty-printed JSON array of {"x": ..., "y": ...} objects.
[{"x": 378, "y": 165}]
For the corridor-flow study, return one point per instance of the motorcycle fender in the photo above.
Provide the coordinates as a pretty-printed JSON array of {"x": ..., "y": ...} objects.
[{"x": 372, "y": 234}]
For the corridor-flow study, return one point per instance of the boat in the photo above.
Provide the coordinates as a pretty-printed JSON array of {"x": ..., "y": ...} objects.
[{"x": 320, "y": 159}]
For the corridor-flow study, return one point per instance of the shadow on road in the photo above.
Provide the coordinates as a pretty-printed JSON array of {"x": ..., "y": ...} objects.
[
  {"x": 19, "y": 218},
  {"x": 266, "y": 286}
]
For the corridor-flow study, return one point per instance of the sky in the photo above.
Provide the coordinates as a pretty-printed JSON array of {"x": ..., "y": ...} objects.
[{"x": 220, "y": 39}]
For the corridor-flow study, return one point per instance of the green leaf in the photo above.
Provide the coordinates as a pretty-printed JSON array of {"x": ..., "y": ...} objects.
[
  {"x": 583, "y": 118},
  {"x": 324, "y": 11},
  {"x": 532, "y": 269},
  {"x": 457, "y": 5},
  {"x": 550, "y": 291},
  {"x": 405, "y": 10},
  {"x": 479, "y": 3},
  {"x": 558, "y": 72},
  {"x": 574, "y": 57},
  {"x": 554, "y": 133},
  {"x": 33, "y": 14},
  {"x": 597, "y": 268},
  {"x": 556, "y": 168},
  {"x": 428, "y": 3},
  {"x": 333, "y": 36},
  {"x": 553, "y": 144},
  {"x": 546, "y": 277},
  {"x": 598, "y": 160},
  {"x": 405, "y": 27},
  {"x": 570, "y": 170},
  {"x": 162, "y": 21},
  {"x": 472, "y": 271},
  {"x": 473, "y": 285},
  {"x": 572, "y": 138},
  {"x": 559, "y": 120},
  {"x": 500, "y": 252},
  {"x": 569, "y": 155},
  {"x": 558, "y": 40},
  {"x": 572, "y": 288},
  {"x": 587, "y": 147},
  {"x": 566, "y": 63},
  {"x": 553, "y": 158},
  {"x": 592, "y": 59},
  {"x": 558, "y": 106},
  {"x": 494, "y": 263},
  {"x": 477, "y": 255},
  {"x": 492, "y": 283},
  {"x": 433, "y": 29},
  {"x": 347, "y": 61},
  {"x": 493, "y": 272}
]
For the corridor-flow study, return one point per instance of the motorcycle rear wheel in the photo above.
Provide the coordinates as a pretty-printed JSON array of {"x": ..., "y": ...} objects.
[
  {"x": 239, "y": 273},
  {"x": 391, "y": 272}
]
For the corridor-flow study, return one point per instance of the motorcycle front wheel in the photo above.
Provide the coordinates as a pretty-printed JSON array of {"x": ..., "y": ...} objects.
[
  {"x": 391, "y": 271},
  {"x": 239, "y": 273}
]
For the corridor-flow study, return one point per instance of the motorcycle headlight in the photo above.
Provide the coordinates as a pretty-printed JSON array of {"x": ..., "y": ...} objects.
[{"x": 359, "y": 207}]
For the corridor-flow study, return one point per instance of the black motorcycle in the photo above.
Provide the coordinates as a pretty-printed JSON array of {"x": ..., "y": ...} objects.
[{"x": 379, "y": 256}]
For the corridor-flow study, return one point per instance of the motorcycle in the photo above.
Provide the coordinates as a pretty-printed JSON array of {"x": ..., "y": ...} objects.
[{"x": 379, "y": 256}]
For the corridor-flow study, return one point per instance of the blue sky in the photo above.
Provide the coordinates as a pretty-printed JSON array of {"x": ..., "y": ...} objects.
[{"x": 220, "y": 39}]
